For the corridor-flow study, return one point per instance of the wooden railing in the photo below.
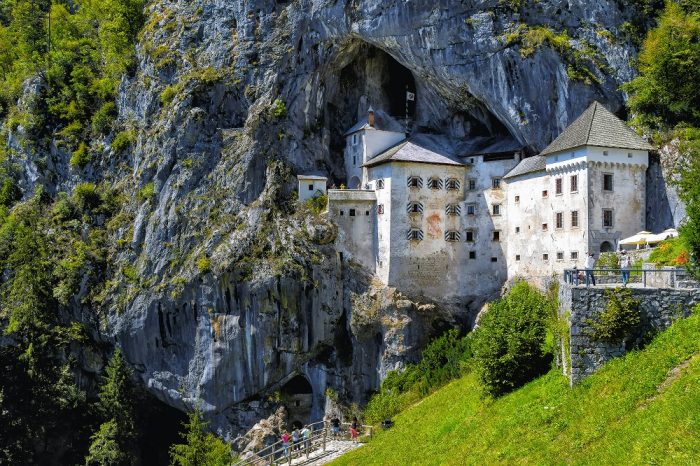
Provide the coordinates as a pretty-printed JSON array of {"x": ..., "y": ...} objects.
[{"x": 276, "y": 454}]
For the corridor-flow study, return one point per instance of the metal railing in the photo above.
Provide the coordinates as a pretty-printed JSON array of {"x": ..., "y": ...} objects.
[
  {"x": 647, "y": 278},
  {"x": 277, "y": 454}
]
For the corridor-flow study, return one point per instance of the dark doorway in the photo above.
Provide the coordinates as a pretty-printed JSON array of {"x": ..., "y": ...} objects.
[
  {"x": 606, "y": 246},
  {"x": 298, "y": 397}
]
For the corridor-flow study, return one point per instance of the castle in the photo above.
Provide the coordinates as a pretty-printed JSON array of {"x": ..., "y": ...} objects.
[{"x": 453, "y": 226}]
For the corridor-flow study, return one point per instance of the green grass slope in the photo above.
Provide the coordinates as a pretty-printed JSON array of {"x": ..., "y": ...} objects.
[{"x": 643, "y": 408}]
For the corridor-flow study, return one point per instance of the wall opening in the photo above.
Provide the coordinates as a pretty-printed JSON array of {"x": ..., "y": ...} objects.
[
  {"x": 297, "y": 395},
  {"x": 606, "y": 246}
]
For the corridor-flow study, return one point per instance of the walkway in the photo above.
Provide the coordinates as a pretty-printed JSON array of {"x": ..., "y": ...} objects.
[{"x": 334, "y": 449}]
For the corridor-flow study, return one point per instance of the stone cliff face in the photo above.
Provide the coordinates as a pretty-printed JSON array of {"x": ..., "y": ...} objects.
[{"x": 237, "y": 291}]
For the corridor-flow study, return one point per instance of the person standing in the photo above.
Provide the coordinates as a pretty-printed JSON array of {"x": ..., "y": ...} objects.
[
  {"x": 285, "y": 442},
  {"x": 335, "y": 427},
  {"x": 295, "y": 439},
  {"x": 590, "y": 265},
  {"x": 306, "y": 437},
  {"x": 353, "y": 429},
  {"x": 625, "y": 264}
]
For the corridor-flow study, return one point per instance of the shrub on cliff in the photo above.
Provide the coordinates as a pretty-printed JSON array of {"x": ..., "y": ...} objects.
[{"x": 511, "y": 345}]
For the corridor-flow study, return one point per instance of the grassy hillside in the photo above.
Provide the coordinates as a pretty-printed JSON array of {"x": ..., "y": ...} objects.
[{"x": 643, "y": 408}]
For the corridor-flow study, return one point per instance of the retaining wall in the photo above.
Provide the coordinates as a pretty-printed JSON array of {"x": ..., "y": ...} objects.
[{"x": 582, "y": 355}]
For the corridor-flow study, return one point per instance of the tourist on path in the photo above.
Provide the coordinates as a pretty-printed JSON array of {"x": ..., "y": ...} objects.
[
  {"x": 306, "y": 437},
  {"x": 295, "y": 439},
  {"x": 625, "y": 264},
  {"x": 590, "y": 265},
  {"x": 335, "y": 427},
  {"x": 285, "y": 442},
  {"x": 353, "y": 429}
]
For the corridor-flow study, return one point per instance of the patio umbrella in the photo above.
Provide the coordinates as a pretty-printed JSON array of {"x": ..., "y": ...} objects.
[
  {"x": 664, "y": 235},
  {"x": 639, "y": 238}
]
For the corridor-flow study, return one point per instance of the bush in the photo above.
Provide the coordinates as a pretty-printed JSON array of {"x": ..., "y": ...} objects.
[
  {"x": 279, "y": 109},
  {"x": 80, "y": 157},
  {"x": 203, "y": 264},
  {"x": 670, "y": 252},
  {"x": 148, "y": 192},
  {"x": 168, "y": 95},
  {"x": 619, "y": 320},
  {"x": 317, "y": 204},
  {"x": 123, "y": 140},
  {"x": 510, "y": 346}
]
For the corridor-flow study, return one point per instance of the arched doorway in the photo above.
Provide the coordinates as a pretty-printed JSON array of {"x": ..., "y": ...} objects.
[
  {"x": 298, "y": 396},
  {"x": 354, "y": 183},
  {"x": 606, "y": 246}
]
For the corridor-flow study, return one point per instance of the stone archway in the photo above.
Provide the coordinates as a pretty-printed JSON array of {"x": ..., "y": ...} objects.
[
  {"x": 606, "y": 246},
  {"x": 354, "y": 183},
  {"x": 298, "y": 396}
]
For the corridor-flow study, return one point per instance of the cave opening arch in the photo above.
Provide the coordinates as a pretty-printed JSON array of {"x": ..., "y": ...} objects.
[{"x": 298, "y": 397}]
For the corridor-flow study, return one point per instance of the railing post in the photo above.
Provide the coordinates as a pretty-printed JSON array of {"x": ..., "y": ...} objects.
[
  {"x": 644, "y": 275},
  {"x": 325, "y": 432},
  {"x": 371, "y": 430}
]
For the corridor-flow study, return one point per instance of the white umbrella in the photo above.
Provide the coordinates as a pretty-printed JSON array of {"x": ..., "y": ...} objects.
[
  {"x": 639, "y": 238},
  {"x": 664, "y": 235}
]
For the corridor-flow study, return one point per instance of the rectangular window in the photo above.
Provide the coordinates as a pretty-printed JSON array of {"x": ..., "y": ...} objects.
[
  {"x": 453, "y": 209},
  {"x": 545, "y": 257},
  {"x": 545, "y": 227},
  {"x": 574, "y": 183},
  {"x": 453, "y": 184},
  {"x": 354, "y": 160},
  {"x": 629, "y": 155},
  {"x": 354, "y": 139},
  {"x": 607, "y": 218},
  {"x": 559, "y": 220},
  {"x": 496, "y": 236},
  {"x": 452, "y": 236},
  {"x": 415, "y": 235},
  {"x": 517, "y": 199},
  {"x": 496, "y": 183},
  {"x": 497, "y": 209},
  {"x": 517, "y": 257},
  {"x": 366, "y": 212},
  {"x": 415, "y": 182},
  {"x": 342, "y": 213},
  {"x": 607, "y": 182},
  {"x": 471, "y": 209},
  {"x": 472, "y": 254},
  {"x": 311, "y": 187},
  {"x": 380, "y": 209},
  {"x": 560, "y": 256},
  {"x": 558, "y": 186},
  {"x": 469, "y": 236},
  {"x": 574, "y": 219},
  {"x": 414, "y": 208},
  {"x": 517, "y": 229},
  {"x": 605, "y": 152},
  {"x": 494, "y": 259},
  {"x": 574, "y": 255},
  {"x": 352, "y": 212},
  {"x": 472, "y": 184},
  {"x": 380, "y": 184},
  {"x": 435, "y": 183},
  {"x": 545, "y": 193}
]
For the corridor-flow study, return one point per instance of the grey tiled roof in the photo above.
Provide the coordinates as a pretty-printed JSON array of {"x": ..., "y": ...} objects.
[
  {"x": 537, "y": 163},
  {"x": 414, "y": 150},
  {"x": 597, "y": 126}
]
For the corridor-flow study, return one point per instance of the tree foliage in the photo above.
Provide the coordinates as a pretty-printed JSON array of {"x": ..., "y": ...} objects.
[
  {"x": 201, "y": 448},
  {"x": 510, "y": 346}
]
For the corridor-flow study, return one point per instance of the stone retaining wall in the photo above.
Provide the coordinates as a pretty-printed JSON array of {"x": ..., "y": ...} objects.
[{"x": 580, "y": 305}]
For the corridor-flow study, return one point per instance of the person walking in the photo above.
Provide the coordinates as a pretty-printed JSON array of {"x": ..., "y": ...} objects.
[
  {"x": 625, "y": 264},
  {"x": 353, "y": 429},
  {"x": 285, "y": 442},
  {"x": 306, "y": 438},
  {"x": 295, "y": 439},
  {"x": 590, "y": 265}
]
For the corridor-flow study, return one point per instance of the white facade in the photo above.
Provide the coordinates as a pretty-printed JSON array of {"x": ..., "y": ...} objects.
[
  {"x": 556, "y": 215},
  {"x": 455, "y": 229},
  {"x": 311, "y": 186}
]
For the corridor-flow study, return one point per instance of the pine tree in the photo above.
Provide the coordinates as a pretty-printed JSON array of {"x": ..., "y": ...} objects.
[
  {"x": 201, "y": 448},
  {"x": 114, "y": 442}
]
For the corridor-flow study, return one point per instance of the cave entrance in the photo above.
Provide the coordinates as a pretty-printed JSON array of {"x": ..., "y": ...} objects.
[
  {"x": 298, "y": 396},
  {"x": 400, "y": 88}
]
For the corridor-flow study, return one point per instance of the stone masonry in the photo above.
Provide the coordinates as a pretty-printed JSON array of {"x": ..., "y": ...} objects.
[{"x": 660, "y": 307}]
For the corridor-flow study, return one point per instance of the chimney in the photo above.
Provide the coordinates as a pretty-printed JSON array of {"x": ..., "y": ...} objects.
[{"x": 370, "y": 117}]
